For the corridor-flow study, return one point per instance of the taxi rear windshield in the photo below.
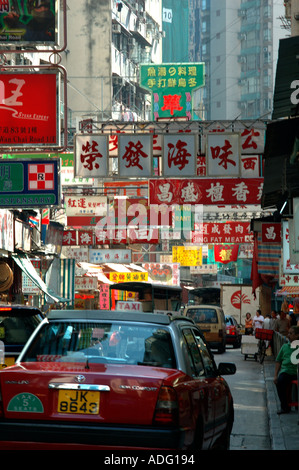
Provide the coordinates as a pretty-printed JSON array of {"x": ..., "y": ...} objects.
[
  {"x": 107, "y": 342},
  {"x": 203, "y": 315}
]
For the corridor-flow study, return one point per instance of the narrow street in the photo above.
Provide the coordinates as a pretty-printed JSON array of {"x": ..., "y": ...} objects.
[{"x": 251, "y": 429}]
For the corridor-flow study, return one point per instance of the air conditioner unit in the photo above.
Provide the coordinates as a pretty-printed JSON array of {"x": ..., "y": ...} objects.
[{"x": 116, "y": 28}]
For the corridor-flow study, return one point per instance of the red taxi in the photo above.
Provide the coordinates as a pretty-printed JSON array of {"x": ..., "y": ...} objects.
[
  {"x": 115, "y": 380},
  {"x": 233, "y": 332}
]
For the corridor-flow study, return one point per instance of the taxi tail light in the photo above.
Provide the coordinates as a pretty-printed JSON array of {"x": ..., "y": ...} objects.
[{"x": 166, "y": 412}]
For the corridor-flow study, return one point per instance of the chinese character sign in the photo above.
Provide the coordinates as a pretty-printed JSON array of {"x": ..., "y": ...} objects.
[
  {"x": 206, "y": 191},
  {"x": 223, "y": 154},
  {"x": 187, "y": 255},
  {"x": 109, "y": 256},
  {"x": 135, "y": 155},
  {"x": 222, "y": 232},
  {"x": 91, "y": 155},
  {"x": 271, "y": 232},
  {"x": 226, "y": 253},
  {"x": 172, "y": 87},
  {"x": 85, "y": 205},
  {"x": 179, "y": 155}
]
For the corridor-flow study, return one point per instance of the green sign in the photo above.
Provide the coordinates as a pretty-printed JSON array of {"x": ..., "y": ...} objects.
[
  {"x": 172, "y": 87},
  {"x": 29, "y": 183}
]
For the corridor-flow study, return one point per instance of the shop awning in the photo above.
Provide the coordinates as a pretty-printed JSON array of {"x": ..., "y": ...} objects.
[
  {"x": 27, "y": 267},
  {"x": 292, "y": 291}
]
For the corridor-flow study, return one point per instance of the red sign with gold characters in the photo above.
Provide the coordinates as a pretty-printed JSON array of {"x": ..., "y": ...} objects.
[
  {"x": 226, "y": 253},
  {"x": 28, "y": 109}
]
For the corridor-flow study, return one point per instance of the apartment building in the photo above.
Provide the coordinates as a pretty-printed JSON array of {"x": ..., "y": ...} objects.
[
  {"x": 106, "y": 42},
  {"x": 238, "y": 41}
]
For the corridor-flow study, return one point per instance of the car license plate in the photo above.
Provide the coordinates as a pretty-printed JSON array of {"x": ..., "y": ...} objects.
[{"x": 78, "y": 401}]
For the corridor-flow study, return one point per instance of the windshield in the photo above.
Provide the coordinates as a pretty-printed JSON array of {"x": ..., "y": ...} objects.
[
  {"x": 107, "y": 342},
  {"x": 203, "y": 315}
]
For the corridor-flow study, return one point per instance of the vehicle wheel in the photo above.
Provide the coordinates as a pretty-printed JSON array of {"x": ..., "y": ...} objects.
[
  {"x": 221, "y": 348},
  {"x": 245, "y": 357}
]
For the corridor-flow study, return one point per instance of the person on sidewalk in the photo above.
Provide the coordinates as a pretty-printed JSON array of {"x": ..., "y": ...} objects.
[
  {"x": 248, "y": 324},
  {"x": 283, "y": 324},
  {"x": 286, "y": 369},
  {"x": 258, "y": 320}
]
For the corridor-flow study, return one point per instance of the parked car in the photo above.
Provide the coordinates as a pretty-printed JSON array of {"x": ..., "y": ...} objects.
[
  {"x": 210, "y": 319},
  {"x": 17, "y": 323},
  {"x": 233, "y": 332},
  {"x": 106, "y": 379}
]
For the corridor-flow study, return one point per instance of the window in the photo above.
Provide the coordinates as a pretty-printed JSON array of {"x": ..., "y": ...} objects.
[
  {"x": 192, "y": 350},
  {"x": 208, "y": 362},
  {"x": 106, "y": 342},
  {"x": 203, "y": 315}
]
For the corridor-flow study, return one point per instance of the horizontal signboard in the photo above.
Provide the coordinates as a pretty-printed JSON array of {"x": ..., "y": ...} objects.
[{"x": 206, "y": 191}]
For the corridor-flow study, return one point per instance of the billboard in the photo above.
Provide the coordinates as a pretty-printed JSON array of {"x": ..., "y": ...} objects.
[
  {"x": 28, "y": 110},
  {"x": 28, "y": 22},
  {"x": 172, "y": 87}
]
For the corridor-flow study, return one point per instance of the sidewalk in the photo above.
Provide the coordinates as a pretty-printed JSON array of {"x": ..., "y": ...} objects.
[{"x": 284, "y": 429}]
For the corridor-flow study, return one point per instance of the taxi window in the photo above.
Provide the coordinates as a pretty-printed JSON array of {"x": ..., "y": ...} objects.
[
  {"x": 205, "y": 355},
  {"x": 203, "y": 315},
  {"x": 193, "y": 355}
]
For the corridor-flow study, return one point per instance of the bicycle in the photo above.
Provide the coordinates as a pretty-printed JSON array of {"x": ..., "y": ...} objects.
[{"x": 262, "y": 335}]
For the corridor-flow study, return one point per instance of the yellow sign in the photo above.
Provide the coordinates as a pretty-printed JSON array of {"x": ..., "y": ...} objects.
[
  {"x": 127, "y": 277},
  {"x": 187, "y": 255}
]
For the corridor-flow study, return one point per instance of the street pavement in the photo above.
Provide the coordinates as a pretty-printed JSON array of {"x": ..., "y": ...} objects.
[{"x": 284, "y": 429}]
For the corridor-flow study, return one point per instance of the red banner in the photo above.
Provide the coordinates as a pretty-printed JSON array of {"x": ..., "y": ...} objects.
[
  {"x": 206, "y": 191},
  {"x": 226, "y": 253},
  {"x": 28, "y": 108}
]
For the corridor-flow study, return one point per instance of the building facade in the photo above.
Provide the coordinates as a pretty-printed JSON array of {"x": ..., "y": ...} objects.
[{"x": 238, "y": 41}]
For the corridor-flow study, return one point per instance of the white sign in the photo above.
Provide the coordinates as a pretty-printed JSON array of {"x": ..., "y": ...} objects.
[
  {"x": 129, "y": 306},
  {"x": 167, "y": 15},
  {"x": 91, "y": 155},
  {"x": 98, "y": 256},
  {"x": 223, "y": 154},
  {"x": 179, "y": 155},
  {"x": 86, "y": 283},
  {"x": 135, "y": 155},
  {"x": 85, "y": 205}
]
